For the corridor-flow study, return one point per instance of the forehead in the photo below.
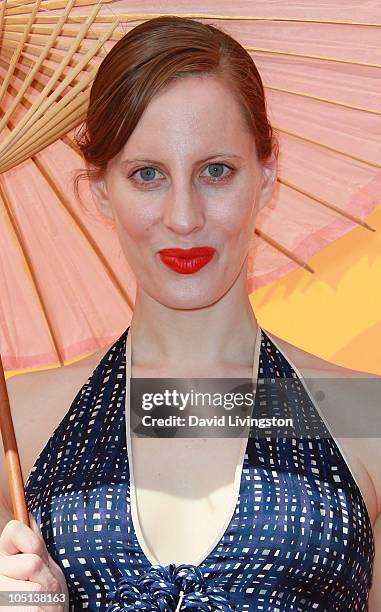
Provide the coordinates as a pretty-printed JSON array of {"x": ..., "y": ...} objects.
[{"x": 190, "y": 115}]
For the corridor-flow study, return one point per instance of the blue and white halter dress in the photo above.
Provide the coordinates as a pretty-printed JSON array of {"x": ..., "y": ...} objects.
[{"x": 299, "y": 538}]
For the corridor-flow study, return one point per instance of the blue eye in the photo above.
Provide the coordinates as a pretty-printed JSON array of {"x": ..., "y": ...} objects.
[
  {"x": 147, "y": 173},
  {"x": 217, "y": 170}
]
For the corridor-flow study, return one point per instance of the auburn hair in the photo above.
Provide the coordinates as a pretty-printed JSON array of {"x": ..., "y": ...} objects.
[{"x": 145, "y": 60}]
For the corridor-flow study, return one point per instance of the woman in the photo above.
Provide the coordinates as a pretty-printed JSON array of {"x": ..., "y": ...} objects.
[{"x": 181, "y": 156}]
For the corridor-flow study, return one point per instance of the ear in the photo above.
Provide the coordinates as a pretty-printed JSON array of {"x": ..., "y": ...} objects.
[
  {"x": 270, "y": 172},
  {"x": 100, "y": 195}
]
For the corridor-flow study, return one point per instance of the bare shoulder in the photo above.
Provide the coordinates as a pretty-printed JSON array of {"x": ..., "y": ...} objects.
[
  {"x": 351, "y": 403},
  {"x": 314, "y": 365},
  {"x": 39, "y": 401}
]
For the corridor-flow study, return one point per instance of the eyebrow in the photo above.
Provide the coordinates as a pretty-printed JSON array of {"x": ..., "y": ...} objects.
[{"x": 152, "y": 161}]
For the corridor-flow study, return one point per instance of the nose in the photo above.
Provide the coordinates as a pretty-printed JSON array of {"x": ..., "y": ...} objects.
[{"x": 183, "y": 209}]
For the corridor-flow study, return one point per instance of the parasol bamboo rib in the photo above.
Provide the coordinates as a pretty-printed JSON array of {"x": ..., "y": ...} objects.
[
  {"x": 2, "y": 19},
  {"x": 52, "y": 118},
  {"x": 39, "y": 32},
  {"x": 16, "y": 9},
  {"x": 327, "y": 204},
  {"x": 26, "y": 135},
  {"x": 27, "y": 62},
  {"x": 29, "y": 266},
  {"x": 328, "y": 147},
  {"x": 56, "y": 56},
  {"x": 82, "y": 228},
  {"x": 28, "y": 100},
  {"x": 43, "y": 101},
  {"x": 57, "y": 126},
  {"x": 17, "y": 52},
  {"x": 320, "y": 99},
  {"x": 68, "y": 122},
  {"x": 49, "y": 44},
  {"x": 144, "y": 16},
  {"x": 83, "y": 29},
  {"x": 36, "y": 42},
  {"x": 283, "y": 250},
  {"x": 67, "y": 98},
  {"x": 325, "y": 58},
  {"x": 12, "y": 458}
]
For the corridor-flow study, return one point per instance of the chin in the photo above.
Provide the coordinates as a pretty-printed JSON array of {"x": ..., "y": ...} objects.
[{"x": 188, "y": 299}]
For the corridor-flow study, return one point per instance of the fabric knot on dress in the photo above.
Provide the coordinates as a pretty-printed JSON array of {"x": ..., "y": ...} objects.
[{"x": 168, "y": 589}]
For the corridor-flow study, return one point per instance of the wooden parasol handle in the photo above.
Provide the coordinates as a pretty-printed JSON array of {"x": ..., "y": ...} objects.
[{"x": 12, "y": 459}]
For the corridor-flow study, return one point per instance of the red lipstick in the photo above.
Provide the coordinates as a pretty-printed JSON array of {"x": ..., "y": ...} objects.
[{"x": 187, "y": 261}]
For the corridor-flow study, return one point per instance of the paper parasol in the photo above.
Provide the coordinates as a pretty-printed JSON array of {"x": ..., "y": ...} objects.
[{"x": 69, "y": 289}]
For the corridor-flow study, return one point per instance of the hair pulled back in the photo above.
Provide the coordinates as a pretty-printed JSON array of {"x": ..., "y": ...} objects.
[{"x": 145, "y": 60}]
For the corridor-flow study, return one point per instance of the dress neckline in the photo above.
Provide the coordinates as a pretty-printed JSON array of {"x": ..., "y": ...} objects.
[{"x": 150, "y": 557}]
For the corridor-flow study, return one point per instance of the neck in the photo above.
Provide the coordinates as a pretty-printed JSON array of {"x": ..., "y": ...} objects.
[{"x": 221, "y": 335}]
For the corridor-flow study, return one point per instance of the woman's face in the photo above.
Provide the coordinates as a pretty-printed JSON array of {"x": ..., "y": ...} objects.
[{"x": 188, "y": 176}]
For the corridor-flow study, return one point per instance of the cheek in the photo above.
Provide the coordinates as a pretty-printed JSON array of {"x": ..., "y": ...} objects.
[
  {"x": 132, "y": 216},
  {"x": 131, "y": 221},
  {"x": 236, "y": 213}
]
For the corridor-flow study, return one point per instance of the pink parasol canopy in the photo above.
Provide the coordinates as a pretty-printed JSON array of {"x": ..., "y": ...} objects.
[
  {"x": 66, "y": 286},
  {"x": 69, "y": 290}
]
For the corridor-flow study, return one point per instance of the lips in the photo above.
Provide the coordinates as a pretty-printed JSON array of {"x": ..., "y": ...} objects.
[{"x": 186, "y": 261}]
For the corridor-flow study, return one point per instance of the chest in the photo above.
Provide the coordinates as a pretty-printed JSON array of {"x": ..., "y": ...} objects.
[
  {"x": 184, "y": 498},
  {"x": 183, "y": 494}
]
